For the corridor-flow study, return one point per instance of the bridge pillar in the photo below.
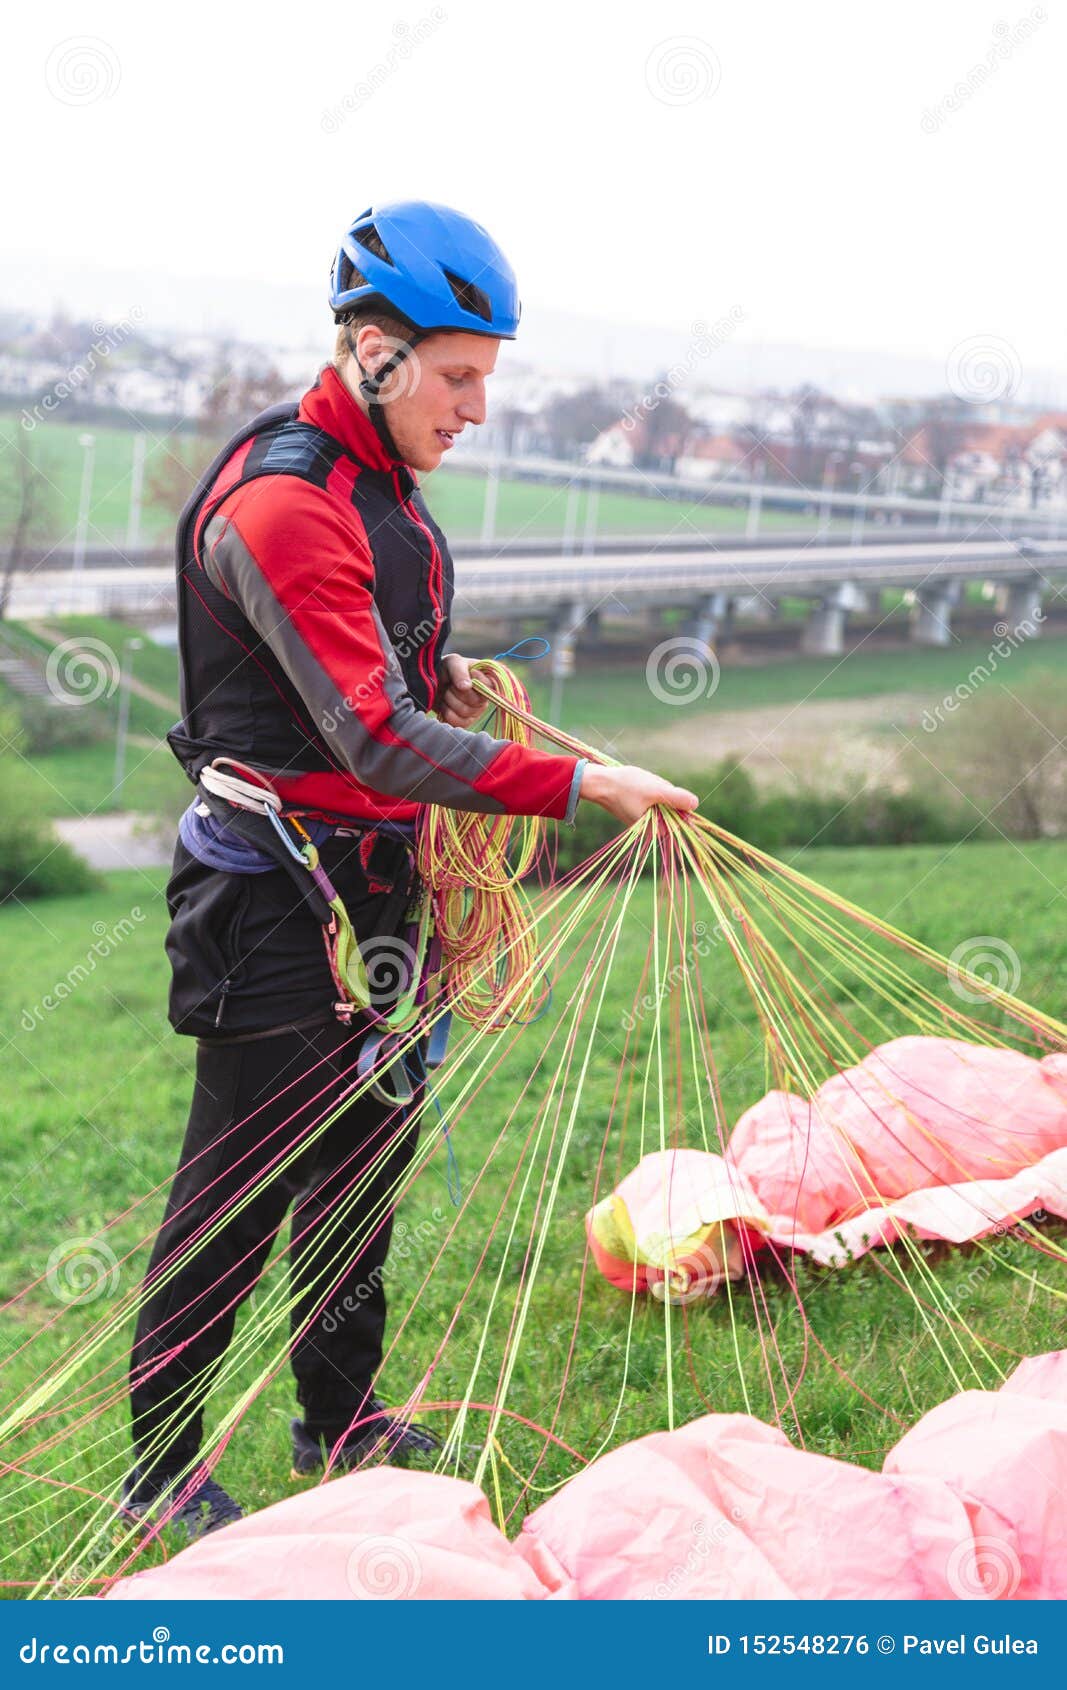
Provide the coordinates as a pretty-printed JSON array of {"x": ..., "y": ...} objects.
[
  {"x": 931, "y": 615},
  {"x": 706, "y": 618},
  {"x": 565, "y": 628},
  {"x": 824, "y": 631},
  {"x": 755, "y": 608},
  {"x": 1021, "y": 605}
]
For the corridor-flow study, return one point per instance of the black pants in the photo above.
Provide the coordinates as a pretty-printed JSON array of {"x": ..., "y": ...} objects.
[
  {"x": 244, "y": 1092},
  {"x": 254, "y": 936}
]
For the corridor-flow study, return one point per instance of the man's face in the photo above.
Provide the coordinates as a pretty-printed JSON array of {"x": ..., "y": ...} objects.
[{"x": 436, "y": 391}]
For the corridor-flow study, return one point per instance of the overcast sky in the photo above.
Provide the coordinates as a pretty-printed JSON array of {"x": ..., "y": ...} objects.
[{"x": 833, "y": 174}]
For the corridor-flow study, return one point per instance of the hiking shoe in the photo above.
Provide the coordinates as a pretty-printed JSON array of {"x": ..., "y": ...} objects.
[
  {"x": 205, "y": 1506},
  {"x": 395, "y": 1439}
]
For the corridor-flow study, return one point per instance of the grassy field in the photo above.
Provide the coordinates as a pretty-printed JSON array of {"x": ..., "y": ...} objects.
[
  {"x": 456, "y": 499},
  {"x": 607, "y": 693},
  {"x": 94, "y": 1104}
]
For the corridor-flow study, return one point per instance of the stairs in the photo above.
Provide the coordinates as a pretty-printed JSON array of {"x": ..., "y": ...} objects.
[{"x": 21, "y": 675}]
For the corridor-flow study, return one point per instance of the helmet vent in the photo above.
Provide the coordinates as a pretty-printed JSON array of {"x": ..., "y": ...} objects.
[
  {"x": 348, "y": 276},
  {"x": 469, "y": 297},
  {"x": 371, "y": 241}
]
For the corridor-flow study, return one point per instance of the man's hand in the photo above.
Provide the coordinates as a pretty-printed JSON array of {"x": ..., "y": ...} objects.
[
  {"x": 457, "y": 702},
  {"x": 627, "y": 792}
]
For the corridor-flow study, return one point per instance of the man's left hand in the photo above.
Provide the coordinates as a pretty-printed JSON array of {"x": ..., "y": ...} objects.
[{"x": 457, "y": 702}]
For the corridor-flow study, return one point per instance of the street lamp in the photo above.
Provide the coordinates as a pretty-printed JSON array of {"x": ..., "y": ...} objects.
[
  {"x": 133, "y": 521},
  {"x": 126, "y": 672},
  {"x": 86, "y": 442},
  {"x": 827, "y": 482}
]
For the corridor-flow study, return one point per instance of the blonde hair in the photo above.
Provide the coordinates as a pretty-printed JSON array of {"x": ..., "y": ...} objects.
[{"x": 391, "y": 327}]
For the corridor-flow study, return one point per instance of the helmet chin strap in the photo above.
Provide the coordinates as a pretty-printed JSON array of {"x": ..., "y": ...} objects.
[{"x": 371, "y": 385}]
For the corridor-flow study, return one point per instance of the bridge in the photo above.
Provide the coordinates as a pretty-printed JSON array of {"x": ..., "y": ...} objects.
[{"x": 715, "y": 585}]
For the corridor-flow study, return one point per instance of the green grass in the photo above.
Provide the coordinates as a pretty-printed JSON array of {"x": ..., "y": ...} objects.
[
  {"x": 605, "y": 691},
  {"x": 92, "y": 1113},
  {"x": 601, "y": 696},
  {"x": 456, "y": 499}
]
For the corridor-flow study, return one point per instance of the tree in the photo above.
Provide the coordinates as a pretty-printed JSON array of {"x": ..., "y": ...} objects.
[
  {"x": 27, "y": 508},
  {"x": 666, "y": 427},
  {"x": 574, "y": 420},
  {"x": 235, "y": 397}
]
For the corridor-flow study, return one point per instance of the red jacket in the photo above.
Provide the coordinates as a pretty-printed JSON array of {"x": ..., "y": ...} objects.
[{"x": 315, "y": 593}]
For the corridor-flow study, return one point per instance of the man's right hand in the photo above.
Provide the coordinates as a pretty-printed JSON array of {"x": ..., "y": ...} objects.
[{"x": 627, "y": 792}]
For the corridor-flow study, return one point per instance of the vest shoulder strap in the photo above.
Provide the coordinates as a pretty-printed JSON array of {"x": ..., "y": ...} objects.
[{"x": 281, "y": 445}]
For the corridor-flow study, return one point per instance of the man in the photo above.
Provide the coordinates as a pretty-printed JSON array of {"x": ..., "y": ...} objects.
[{"x": 314, "y": 599}]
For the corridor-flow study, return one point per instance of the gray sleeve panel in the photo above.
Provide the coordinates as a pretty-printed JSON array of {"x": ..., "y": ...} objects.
[
  {"x": 434, "y": 764},
  {"x": 575, "y": 792}
]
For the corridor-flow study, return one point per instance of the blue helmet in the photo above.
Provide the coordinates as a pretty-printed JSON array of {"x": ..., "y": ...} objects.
[{"x": 429, "y": 265}]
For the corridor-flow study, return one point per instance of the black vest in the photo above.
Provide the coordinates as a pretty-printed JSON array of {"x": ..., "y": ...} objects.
[{"x": 236, "y": 698}]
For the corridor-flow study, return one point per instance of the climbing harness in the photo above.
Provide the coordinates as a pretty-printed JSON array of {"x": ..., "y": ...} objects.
[{"x": 412, "y": 962}]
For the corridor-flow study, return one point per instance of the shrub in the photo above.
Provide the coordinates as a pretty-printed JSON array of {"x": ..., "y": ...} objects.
[
  {"x": 34, "y": 863},
  {"x": 54, "y": 727},
  {"x": 789, "y": 819}
]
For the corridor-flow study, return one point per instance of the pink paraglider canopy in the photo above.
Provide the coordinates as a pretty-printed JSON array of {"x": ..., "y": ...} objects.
[
  {"x": 966, "y": 1506},
  {"x": 933, "y": 1136}
]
